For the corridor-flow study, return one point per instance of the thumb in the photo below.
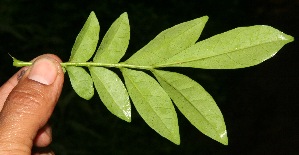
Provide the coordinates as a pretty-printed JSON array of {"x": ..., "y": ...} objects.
[{"x": 30, "y": 104}]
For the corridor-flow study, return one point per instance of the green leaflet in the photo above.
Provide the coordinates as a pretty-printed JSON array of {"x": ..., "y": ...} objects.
[
  {"x": 109, "y": 86},
  {"x": 115, "y": 41},
  {"x": 83, "y": 49},
  {"x": 152, "y": 103},
  {"x": 237, "y": 48},
  {"x": 169, "y": 42},
  {"x": 195, "y": 104},
  {"x": 112, "y": 92},
  {"x": 81, "y": 82},
  {"x": 86, "y": 41}
]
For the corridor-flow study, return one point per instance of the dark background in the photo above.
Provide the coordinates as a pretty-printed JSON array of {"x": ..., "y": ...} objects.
[{"x": 259, "y": 104}]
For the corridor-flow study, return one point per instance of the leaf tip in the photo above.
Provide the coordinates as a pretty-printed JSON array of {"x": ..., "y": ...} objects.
[
  {"x": 124, "y": 14},
  {"x": 202, "y": 20},
  {"x": 86, "y": 96},
  {"x": 177, "y": 141},
  {"x": 205, "y": 18},
  {"x": 175, "y": 138},
  {"x": 280, "y": 35},
  {"x": 223, "y": 138},
  {"x": 92, "y": 13},
  {"x": 125, "y": 115},
  {"x": 128, "y": 119},
  {"x": 289, "y": 38},
  {"x": 89, "y": 97},
  {"x": 93, "y": 16}
]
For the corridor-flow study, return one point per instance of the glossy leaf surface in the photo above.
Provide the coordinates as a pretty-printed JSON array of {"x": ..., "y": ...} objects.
[
  {"x": 152, "y": 103},
  {"x": 115, "y": 41},
  {"x": 81, "y": 82},
  {"x": 112, "y": 92},
  {"x": 169, "y": 42},
  {"x": 86, "y": 41},
  {"x": 237, "y": 48},
  {"x": 195, "y": 103}
]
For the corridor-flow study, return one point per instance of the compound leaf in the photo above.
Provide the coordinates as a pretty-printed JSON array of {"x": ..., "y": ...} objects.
[
  {"x": 169, "y": 42},
  {"x": 112, "y": 92},
  {"x": 86, "y": 41},
  {"x": 152, "y": 103},
  {"x": 237, "y": 48},
  {"x": 115, "y": 41},
  {"x": 81, "y": 82},
  {"x": 195, "y": 104}
]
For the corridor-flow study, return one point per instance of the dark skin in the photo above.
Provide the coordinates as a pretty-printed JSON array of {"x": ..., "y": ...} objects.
[{"x": 27, "y": 101}]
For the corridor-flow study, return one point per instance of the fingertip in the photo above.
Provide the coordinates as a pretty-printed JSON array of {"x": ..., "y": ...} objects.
[
  {"x": 43, "y": 137},
  {"x": 52, "y": 57}
]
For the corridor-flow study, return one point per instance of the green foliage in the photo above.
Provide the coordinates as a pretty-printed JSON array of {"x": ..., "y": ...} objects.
[
  {"x": 115, "y": 42},
  {"x": 86, "y": 41},
  {"x": 83, "y": 49},
  {"x": 237, "y": 48},
  {"x": 81, "y": 82},
  {"x": 195, "y": 103},
  {"x": 152, "y": 103},
  {"x": 169, "y": 42},
  {"x": 109, "y": 86},
  {"x": 174, "y": 47},
  {"x": 112, "y": 92}
]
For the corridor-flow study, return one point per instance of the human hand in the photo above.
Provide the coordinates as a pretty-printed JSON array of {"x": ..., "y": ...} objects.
[{"x": 27, "y": 101}]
